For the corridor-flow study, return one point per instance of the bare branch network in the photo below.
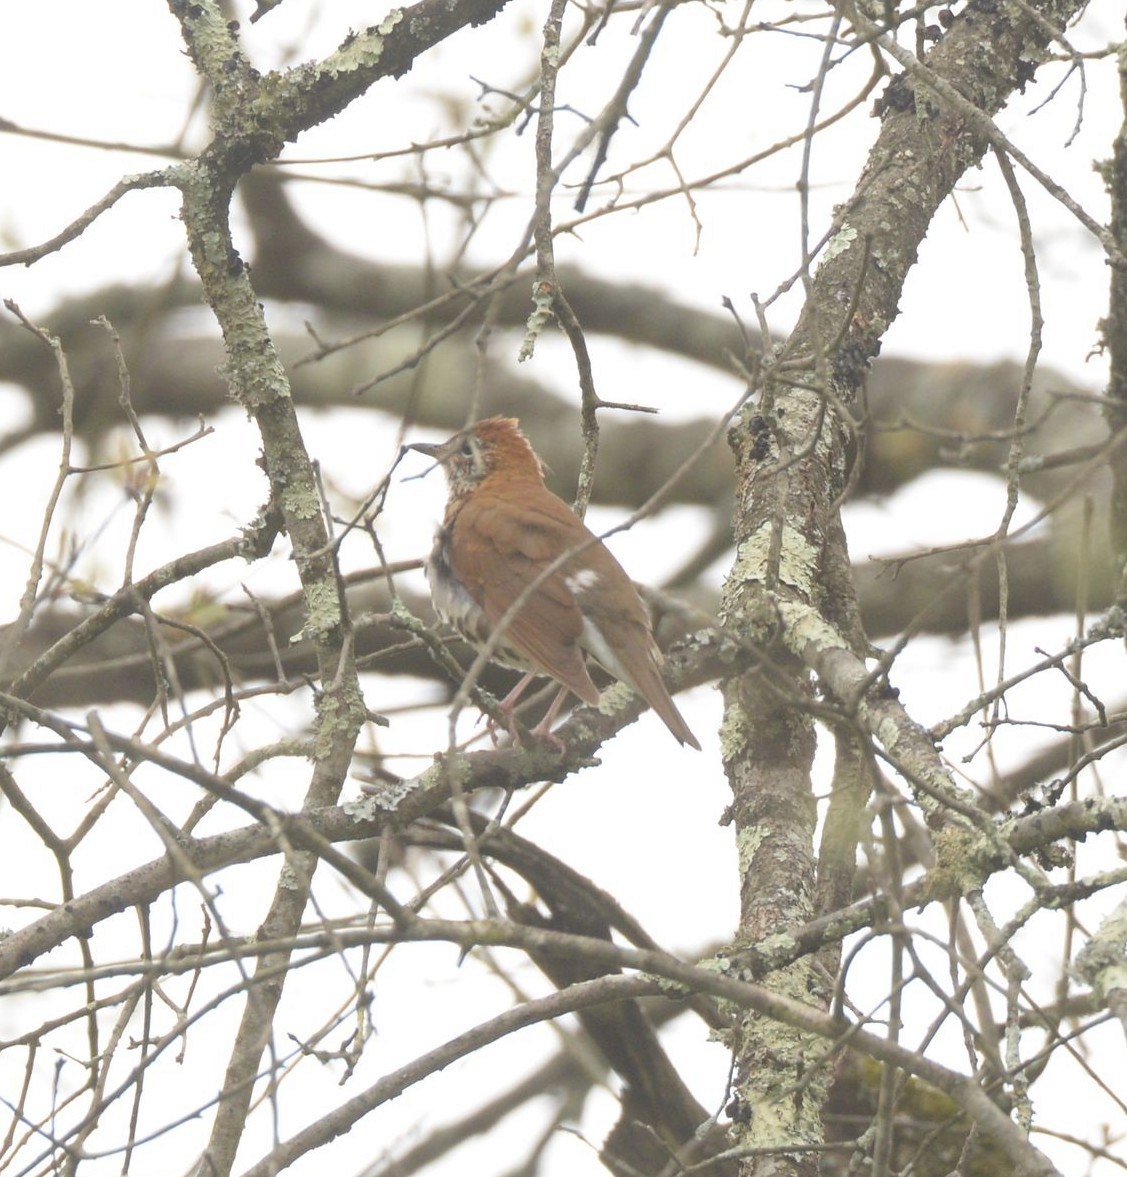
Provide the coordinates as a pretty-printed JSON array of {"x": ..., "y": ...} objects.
[{"x": 276, "y": 899}]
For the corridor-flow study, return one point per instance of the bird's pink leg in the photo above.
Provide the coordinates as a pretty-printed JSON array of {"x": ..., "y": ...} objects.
[
  {"x": 541, "y": 730},
  {"x": 507, "y": 707}
]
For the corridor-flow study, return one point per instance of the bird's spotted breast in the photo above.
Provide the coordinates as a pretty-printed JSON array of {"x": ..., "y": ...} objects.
[{"x": 453, "y": 603}]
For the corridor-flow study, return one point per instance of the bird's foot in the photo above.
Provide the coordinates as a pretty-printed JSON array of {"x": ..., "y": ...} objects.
[
  {"x": 494, "y": 727},
  {"x": 541, "y": 732}
]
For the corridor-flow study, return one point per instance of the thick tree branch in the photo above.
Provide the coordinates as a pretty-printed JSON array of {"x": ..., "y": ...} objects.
[{"x": 792, "y": 473}]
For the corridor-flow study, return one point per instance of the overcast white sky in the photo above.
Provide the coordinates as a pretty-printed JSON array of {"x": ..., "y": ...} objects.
[{"x": 116, "y": 73}]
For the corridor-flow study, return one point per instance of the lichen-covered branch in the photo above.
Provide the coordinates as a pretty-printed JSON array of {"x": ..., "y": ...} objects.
[
  {"x": 792, "y": 471},
  {"x": 1115, "y": 341}
]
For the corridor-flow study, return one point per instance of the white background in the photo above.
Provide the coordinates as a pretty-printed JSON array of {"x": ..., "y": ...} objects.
[{"x": 117, "y": 74}]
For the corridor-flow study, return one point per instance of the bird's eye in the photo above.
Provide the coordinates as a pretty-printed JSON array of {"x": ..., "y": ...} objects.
[{"x": 467, "y": 448}]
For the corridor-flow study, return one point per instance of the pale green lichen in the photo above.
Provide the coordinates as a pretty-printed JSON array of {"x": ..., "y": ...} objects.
[
  {"x": 773, "y": 1128},
  {"x": 364, "y": 51},
  {"x": 805, "y": 628},
  {"x": 1101, "y": 962},
  {"x": 543, "y": 302},
  {"x": 734, "y": 734},
  {"x": 841, "y": 241},
  {"x": 797, "y": 558},
  {"x": 780, "y": 944},
  {"x": 675, "y": 990},
  {"x": 322, "y": 604},
  {"x": 300, "y": 502},
  {"x": 798, "y": 561},
  {"x": 340, "y": 712},
  {"x": 779, "y": 1117},
  {"x": 748, "y": 841},
  {"x": 616, "y": 697},
  {"x": 888, "y": 733},
  {"x": 750, "y": 563},
  {"x": 717, "y": 964},
  {"x": 363, "y": 809},
  {"x": 405, "y": 617},
  {"x": 794, "y": 981},
  {"x": 958, "y": 866},
  {"x": 389, "y": 22},
  {"x": 388, "y": 798}
]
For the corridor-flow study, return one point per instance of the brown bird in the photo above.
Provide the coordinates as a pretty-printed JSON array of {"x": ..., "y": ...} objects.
[{"x": 502, "y": 528}]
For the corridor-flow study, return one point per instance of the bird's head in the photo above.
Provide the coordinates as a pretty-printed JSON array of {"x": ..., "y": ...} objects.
[{"x": 493, "y": 448}]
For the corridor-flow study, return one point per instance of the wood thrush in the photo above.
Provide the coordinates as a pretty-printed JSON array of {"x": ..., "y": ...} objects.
[{"x": 502, "y": 529}]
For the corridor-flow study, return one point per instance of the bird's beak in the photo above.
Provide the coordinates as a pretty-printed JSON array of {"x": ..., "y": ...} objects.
[{"x": 432, "y": 450}]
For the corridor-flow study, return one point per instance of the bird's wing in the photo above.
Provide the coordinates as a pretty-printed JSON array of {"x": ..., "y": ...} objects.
[
  {"x": 616, "y": 624},
  {"x": 499, "y": 547}
]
